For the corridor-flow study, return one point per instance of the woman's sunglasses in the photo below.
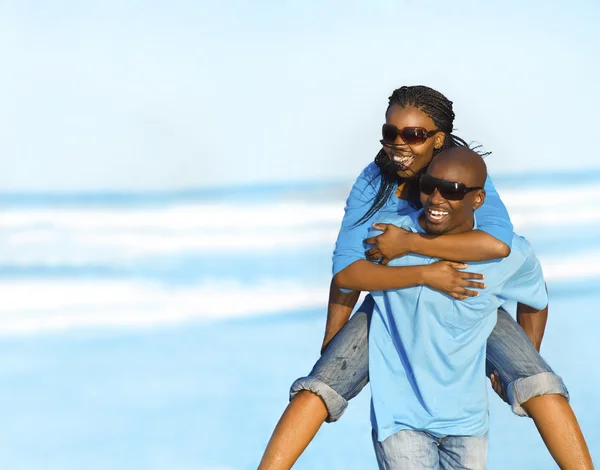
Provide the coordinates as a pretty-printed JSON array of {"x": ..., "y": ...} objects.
[
  {"x": 450, "y": 190},
  {"x": 409, "y": 135}
]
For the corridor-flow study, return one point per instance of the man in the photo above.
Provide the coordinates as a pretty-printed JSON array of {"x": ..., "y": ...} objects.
[{"x": 427, "y": 350}]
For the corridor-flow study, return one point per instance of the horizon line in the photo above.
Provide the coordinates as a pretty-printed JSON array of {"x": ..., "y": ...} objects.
[{"x": 250, "y": 191}]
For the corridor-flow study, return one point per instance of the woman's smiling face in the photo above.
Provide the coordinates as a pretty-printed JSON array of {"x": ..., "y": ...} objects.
[{"x": 410, "y": 159}]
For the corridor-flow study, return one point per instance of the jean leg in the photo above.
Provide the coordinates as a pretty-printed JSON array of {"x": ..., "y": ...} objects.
[
  {"x": 523, "y": 372},
  {"x": 342, "y": 371},
  {"x": 407, "y": 450},
  {"x": 463, "y": 452}
]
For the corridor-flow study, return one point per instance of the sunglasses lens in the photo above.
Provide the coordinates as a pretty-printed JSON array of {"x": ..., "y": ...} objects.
[
  {"x": 451, "y": 192},
  {"x": 389, "y": 133},
  {"x": 448, "y": 190},
  {"x": 413, "y": 135},
  {"x": 427, "y": 184},
  {"x": 409, "y": 135}
]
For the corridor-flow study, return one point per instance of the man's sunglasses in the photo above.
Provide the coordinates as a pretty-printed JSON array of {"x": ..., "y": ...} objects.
[
  {"x": 409, "y": 135},
  {"x": 450, "y": 190}
]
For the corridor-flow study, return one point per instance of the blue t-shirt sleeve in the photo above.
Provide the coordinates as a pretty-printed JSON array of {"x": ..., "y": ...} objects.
[
  {"x": 349, "y": 244},
  {"x": 492, "y": 216},
  {"x": 527, "y": 284}
]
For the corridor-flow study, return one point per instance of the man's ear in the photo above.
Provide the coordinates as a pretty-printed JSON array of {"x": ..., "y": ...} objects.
[
  {"x": 439, "y": 140},
  {"x": 479, "y": 199}
]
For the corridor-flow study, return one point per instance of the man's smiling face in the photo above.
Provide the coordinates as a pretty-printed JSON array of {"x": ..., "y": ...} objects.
[{"x": 446, "y": 215}]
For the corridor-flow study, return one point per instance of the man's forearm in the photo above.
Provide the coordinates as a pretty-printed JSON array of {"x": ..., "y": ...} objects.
[
  {"x": 474, "y": 245},
  {"x": 339, "y": 308},
  {"x": 533, "y": 321},
  {"x": 364, "y": 275}
]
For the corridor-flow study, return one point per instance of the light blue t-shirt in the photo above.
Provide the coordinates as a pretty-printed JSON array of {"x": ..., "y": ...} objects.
[
  {"x": 427, "y": 350},
  {"x": 492, "y": 217}
]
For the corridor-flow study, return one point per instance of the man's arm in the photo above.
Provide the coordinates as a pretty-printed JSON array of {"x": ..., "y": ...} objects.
[
  {"x": 339, "y": 308},
  {"x": 533, "y": 321},
  {"x": 527, "y": 287}
]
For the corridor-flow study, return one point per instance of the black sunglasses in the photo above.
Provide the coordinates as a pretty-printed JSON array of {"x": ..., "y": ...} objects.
[
  {"x": 409, "y": 135},
  {"x": 450, "y": 190}
]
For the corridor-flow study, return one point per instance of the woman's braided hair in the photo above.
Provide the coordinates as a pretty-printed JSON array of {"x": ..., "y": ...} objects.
[{"x": 439, "y": 109}]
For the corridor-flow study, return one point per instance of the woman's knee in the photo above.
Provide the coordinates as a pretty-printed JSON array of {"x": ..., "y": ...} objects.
[
  {"x": 543, "y": 403},
  {"x": 343, "y": 369},
  {"x": 335, "y": 403},
  {"x": 522, "y": 391}
]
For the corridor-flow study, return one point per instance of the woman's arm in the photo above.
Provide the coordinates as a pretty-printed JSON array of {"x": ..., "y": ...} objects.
[
  {"x": 475, "y": 245},
  {"x": 364, "y": 275},
  {"x": 396, "y": 242},
  {"x": 491, "y": 240},
  {"x": 443, "y": 276}
]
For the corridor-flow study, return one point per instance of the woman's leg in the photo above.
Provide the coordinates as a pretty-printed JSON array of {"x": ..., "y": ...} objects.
[
  {"x": 340, "y": 374},
  {"x": 297, "y": 426},
  {"x": 558, "y": 426},
  {"x": 534, "y": 390}
]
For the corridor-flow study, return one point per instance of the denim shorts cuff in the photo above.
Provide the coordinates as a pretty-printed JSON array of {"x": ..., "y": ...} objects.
[
  {"x": 523, "y": 389},
  {"x": 335, "y": 403}
]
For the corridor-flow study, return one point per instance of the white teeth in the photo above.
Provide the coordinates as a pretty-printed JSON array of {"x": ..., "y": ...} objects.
[
  {"x": 436, "y": 214},
  {"x": 403, "y": 160}
]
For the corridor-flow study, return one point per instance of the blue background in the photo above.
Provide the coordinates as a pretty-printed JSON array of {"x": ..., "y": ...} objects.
[{"x": 172, "y": 179}]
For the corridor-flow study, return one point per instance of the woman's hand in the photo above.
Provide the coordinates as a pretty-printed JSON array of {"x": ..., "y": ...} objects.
[
  {"x": 391, "y": 244},
  {"x": 447, "y": 277}
]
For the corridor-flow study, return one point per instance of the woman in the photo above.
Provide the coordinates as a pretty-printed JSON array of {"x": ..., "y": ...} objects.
[{"x": 419, "y": 123}]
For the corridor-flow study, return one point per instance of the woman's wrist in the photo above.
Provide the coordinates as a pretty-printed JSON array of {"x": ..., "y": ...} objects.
[
  {"x": 414, "y": 243},
  {"x": 423, "y": 276}
]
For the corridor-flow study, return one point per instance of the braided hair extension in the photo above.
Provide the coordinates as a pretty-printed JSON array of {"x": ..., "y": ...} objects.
[{"x": 439, "y": 109}]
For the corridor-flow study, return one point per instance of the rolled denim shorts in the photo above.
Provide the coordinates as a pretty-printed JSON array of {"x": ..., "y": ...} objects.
[
  {"x": 419, "y": 450},
  {"x": 343, "y": 369}
]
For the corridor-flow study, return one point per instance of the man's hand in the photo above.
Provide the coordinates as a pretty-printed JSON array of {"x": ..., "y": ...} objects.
[
  {"x": 392, "y": 243},
  {"x": 497, "y": 386},
  {"x": 447, "y": 277}
]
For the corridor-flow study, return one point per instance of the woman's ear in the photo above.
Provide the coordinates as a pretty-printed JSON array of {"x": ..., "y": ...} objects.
[
  {"x": 439, "y": 140},
  {"x": 479, "y": 199}
]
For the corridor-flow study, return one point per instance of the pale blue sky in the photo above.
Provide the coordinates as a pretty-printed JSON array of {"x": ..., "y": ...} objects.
[{"x": 167, "y": 94}]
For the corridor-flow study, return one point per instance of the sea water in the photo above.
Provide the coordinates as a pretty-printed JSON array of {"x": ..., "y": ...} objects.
[{"x": 162, "y": 329}]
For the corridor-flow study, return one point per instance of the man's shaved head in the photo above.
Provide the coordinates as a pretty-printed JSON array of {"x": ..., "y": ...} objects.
[
  {"x": 460, "y": 164},
  {"x": 452, "y": 215}
]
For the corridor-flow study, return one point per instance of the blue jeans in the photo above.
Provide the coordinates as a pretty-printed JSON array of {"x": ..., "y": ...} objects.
[
  {"x": 418, "y": 450},
  {"x": 343, "y": 369}
]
